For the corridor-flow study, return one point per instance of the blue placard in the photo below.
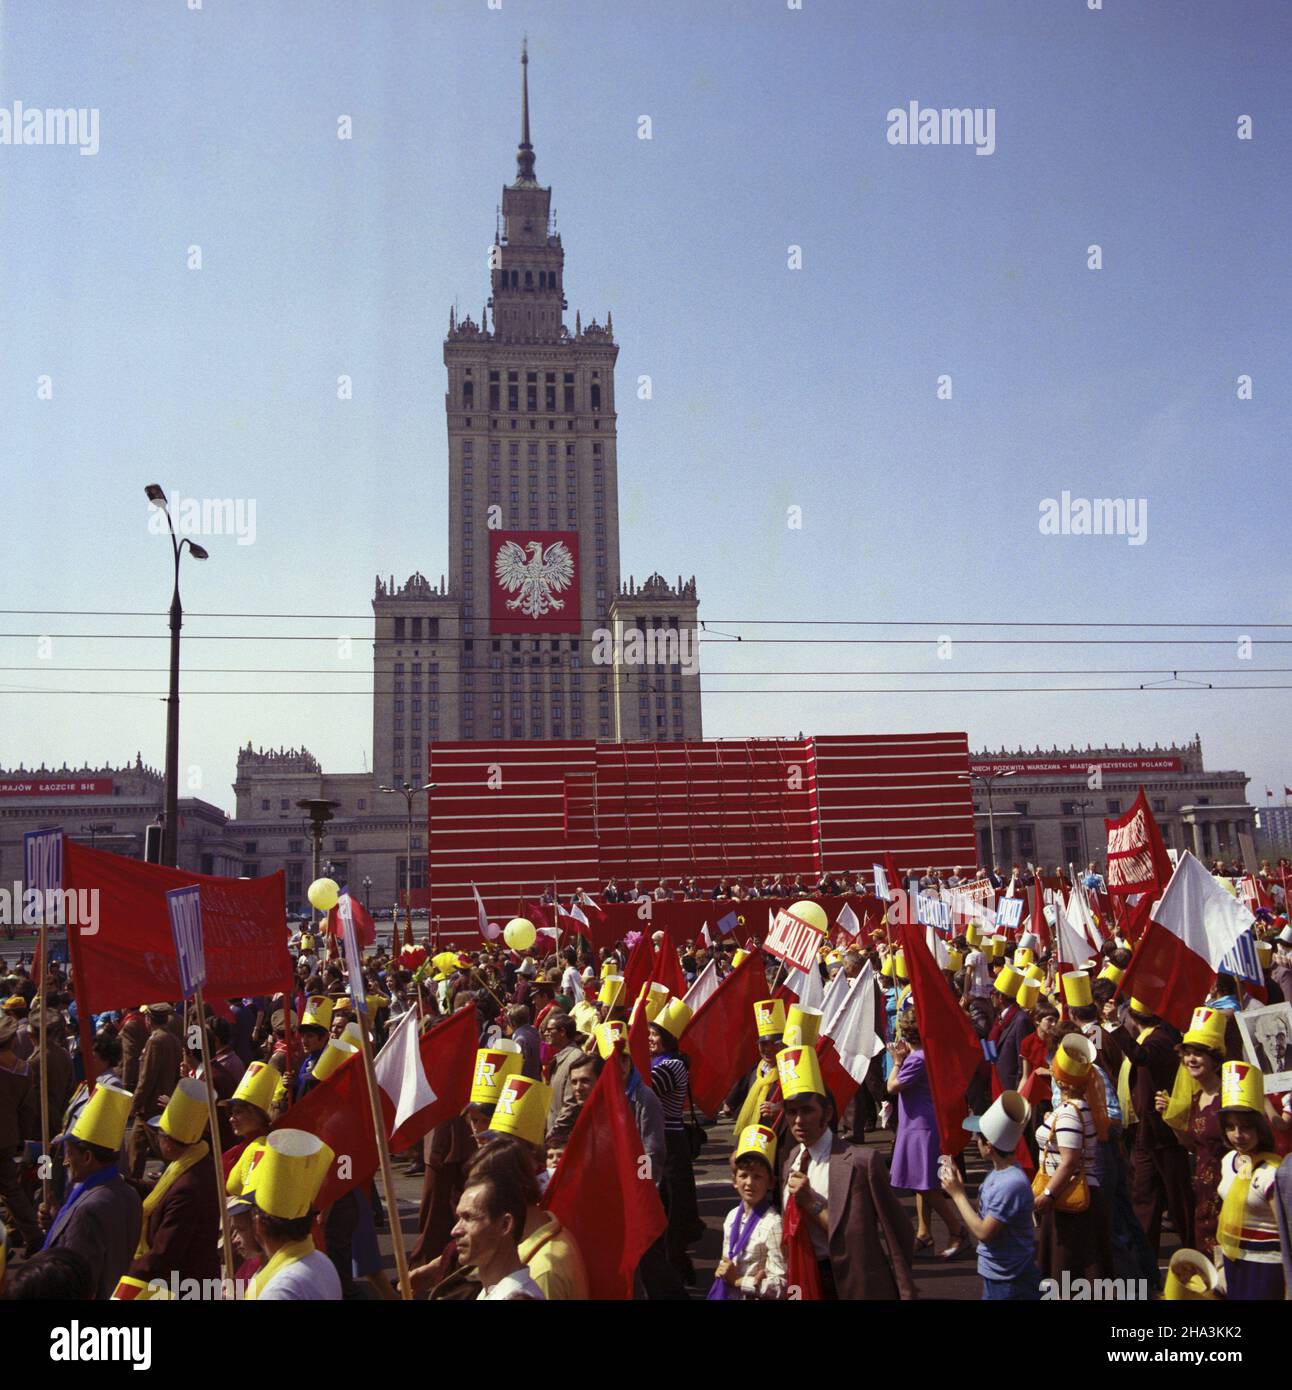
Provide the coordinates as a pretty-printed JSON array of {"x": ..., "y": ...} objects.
[
  {"x": 42, "y": 857},
  {"x": 185, "y": 908},
  {"x": 1009, "y": 912}
]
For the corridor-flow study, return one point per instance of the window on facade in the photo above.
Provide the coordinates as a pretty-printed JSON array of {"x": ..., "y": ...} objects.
[
  {"x": 1159, "y": 803},
  {"x": 264, "y": 805},
  {"x": 1114, "y": 808}
]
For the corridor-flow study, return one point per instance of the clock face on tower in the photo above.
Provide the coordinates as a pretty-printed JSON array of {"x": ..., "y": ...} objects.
[{"x": 534, "y": 581}]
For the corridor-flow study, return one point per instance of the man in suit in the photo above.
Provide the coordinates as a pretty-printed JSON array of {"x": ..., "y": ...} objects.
[
  {"x": 101, "y": 1216},
  {"x": 1011, "y": 1027},
  {"x": 863, "y": 1241},
  {"x": 181, "y": 1221},
  {"x": 159, "y": 1067}
]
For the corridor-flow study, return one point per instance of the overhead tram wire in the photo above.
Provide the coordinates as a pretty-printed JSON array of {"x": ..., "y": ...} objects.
[{"x": 709, "y": 641}]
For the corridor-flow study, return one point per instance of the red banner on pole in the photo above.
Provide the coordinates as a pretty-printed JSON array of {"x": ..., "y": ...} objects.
[{"x": 125, "y": 953}]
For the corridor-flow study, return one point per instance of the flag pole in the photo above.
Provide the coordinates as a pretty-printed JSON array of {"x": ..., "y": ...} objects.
[
  {"x": 383, "y": 1153},
  {"x": 44, "y": 1062},
  {"x": 208, "y": 1080}
]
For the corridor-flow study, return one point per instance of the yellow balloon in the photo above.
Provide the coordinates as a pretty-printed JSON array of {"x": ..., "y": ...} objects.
[
  {"x": 323, "y": 894},
  {"x": 812, "y": 913},
  {"x": 519, "y": 933}
]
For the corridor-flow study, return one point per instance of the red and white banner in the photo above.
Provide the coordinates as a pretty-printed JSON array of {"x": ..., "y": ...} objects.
[
  {"x": 65, "y": 786},
  {"x": 793, "y": 940},
  {"x": 534, "y": 581},
  {"x": 1066, "y": 766},
  {"x": 1137, "y": 857}
]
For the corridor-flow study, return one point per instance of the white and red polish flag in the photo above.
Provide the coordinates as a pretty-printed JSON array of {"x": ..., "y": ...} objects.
[
  {"x": 848, "y": 1043},
  {"x": 1137, "y": 863},
  {"x": 401, "y": 1076},
  {"x": 1192, "y": 929},
  {"x": 491, "y": 931},
  {"x": 847, "y": 923}
]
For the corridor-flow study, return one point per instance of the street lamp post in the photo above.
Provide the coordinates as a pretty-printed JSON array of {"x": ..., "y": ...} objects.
[
  {"x": 319, "y": 811},
  {"x": 170, "y": 815},
  {"x": 987, "y": 778},
  {"x": 408, "y": 793},
  {"x": 367, "y": 893},
  {"x": 1083, "y": 806}
]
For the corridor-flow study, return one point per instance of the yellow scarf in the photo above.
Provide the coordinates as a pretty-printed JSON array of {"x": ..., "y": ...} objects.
[
  {"x": 291, "y": 1253},
  {"x": 757, "y": 1095},
  {"x": 174, "y": 1171},
  {"x": 1233, "y": 1212},
  {"x": 1129, "y": 1117},
  {"x": 1179, "y": 1108},
  {"x": 239, "y": 1182}
]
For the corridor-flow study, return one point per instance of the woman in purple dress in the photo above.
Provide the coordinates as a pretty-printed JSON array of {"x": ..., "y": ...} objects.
[{"x": 915, "y": 1153}]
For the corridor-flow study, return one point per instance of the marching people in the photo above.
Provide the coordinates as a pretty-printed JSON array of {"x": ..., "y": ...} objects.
[
  {"x": 753, "y": 1261},
  {"x": 159, "y": 1069}
]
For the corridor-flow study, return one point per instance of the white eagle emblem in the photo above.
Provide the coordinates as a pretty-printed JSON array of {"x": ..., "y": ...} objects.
[{"x": 538, "y": 578}]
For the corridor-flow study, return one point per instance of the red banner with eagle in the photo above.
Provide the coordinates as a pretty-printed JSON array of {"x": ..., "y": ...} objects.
[{"x": 534, "y": 581}]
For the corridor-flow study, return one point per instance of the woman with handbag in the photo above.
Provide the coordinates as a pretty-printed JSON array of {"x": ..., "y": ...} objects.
[
  {"x": 1074, "y": 1232},
  {"x": 670, "y": 1080}
]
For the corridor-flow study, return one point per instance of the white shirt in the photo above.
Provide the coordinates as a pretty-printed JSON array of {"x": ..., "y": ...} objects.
[
  {"x": 572, "y": 983},
  {"x": 762, "y": 1251},
  {"x": 310, "y": 1279},
  {"x": 980, "y": 984},
  {"x": 518, "y": 1284},
  {"x": 818, "y": 1175}
]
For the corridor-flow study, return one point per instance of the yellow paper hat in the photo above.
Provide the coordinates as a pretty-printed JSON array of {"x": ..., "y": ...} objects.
[
  {"x": 740, "y": 955},
  {"x": 609, "y": 967},
  {"x": 352, "y": 1034},
  {"x": 653, "y": 996},
  {"x": 132, "y": 1290},
  {"x": 612, "y": 987},
  {"x": 999, "y": 945},
  {"x": 886, "y": 970},
  {"x": 103, "y": 1120},
  {"x": 257, "y": 1085},
  {"x": 1028, "y": 993},
  {"x": 1007, "y": 981},
  {"x": 1111, "y": 972},
  {"x": 185, "y": 1115},
  {"x": 493, "y": 1066},
  {"x": 609, "y": 1034},
  {"x": 769, "y": 1018},
  {"x": 802, "y": 1026},
  {"x": 1073, "y": 1058},
  {"x": 1023, "y": 958},
  {"x": 1265, "y": 954},
  {"x": 290, "y": 1173},
  {"x": 522, "y": 1109},
  {"x": 673, "y": 1017},
  {"x": 1190, "y": 1276},
  {"x": 1137, "y": 1006},
  {"x": 759, "y": 1140},
  {"x": 1034, "y": 972},
  {"x": 1076, "y": 989},
  {"x": 1207, "y": 1029},
  {"x": 318, "y": 1012},
  {"x": 800, "y": 1072},
  {"x": 973, "y": 935},
  {"x": 955, "y": 959},
  {"x": 1242, "y": 1087},
  {"x": 899, "y": 966},
  {"x": 336, "y": 1052}
]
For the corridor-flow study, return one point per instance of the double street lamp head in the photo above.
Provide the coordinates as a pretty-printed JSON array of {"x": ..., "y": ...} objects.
[{"x": 157, "y": 496}]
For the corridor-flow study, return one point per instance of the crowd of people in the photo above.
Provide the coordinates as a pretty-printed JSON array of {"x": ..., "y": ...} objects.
[{"x": 1094, "y": 1124}]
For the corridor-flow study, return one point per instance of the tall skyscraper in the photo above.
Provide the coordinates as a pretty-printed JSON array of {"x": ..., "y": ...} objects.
[{"x": 522, "y": 641}]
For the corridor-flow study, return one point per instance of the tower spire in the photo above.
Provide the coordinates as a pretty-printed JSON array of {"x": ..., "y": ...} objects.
[{"x": 525, "y": 154}]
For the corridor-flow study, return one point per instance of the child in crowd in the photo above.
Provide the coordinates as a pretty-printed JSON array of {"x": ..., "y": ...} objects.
[{"x": 752, "y": 1264}]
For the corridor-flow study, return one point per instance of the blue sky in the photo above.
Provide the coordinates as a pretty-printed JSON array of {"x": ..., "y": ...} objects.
[{"x": 772, "y": 388}]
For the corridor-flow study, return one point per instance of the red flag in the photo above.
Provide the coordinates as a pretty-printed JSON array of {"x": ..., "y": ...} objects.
[
  {"x": 667, "y": 969},
  {"x": 952, "y": 1052},
  {"x": 801, "y": 1269},
  {"x": 720, "y": 1041},
  {"x": 365, "y": 929},
  {"x": 339, "y": 1112},
  {"x": 1137, "y": 857},
  {"x": 601, "y": 1193}
]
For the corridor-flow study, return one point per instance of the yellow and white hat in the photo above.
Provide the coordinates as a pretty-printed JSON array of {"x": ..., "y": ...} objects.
[
  {"x": 612, "y": 986},
  {"x": 653, "y": 998},
  {"x": 1207, "y": 1029},
  {"x": 609, "y": 1035},
  {"x": 290, "y": 1173},
  {"x": 1242, "y": 1087},
  {"x": 741, "y": 955},
  {"x": 257, "y": 1086},
  {"x": 1265, "y": 954},
  {"x": 1111, "y": 972},
  {"x": 955, "y": 959},
  {"x": 1034, "y": 972},
  {"x": 493, "y": 1066},
  {"x": 800, "y": 1072},
  {"x": 352, "y": 1034},
  {"x": 318, "y": 1012},
  {"x": 522, "y": 1109},
  {"x": 760, "y": 1141},
  {"x": 1007, "y": 981},
  {"x": 1023, "y": 957},
  {"x": 1073, "y": 1059},
  {"x": 769, "y": 1018},
  {"x": 336, "y": 1052},
  {"x": 886, "y": 969},
  {"x": 673, "y": 1017},
  {"x": 1076, "y": 989},
  {"x": 185, "y": 1116},
  {"x": 1138, "y": 1006},
  {"x": 802, "y": 1026},
  {"x": 104, "y": 1118},
  {"x": 609, "y": 967},
  {"x": 899, "y": 966},
  {"x": 1028, "y": 993}
]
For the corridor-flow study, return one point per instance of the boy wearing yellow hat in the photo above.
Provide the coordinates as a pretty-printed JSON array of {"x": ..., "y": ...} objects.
[
  {"x": 181, "y": 1222},
  {"x": 762, "y": 1103},
  {"x": 101, "y": 1216},
  {"x": 753, "y": 1261},
  {"x": 288, "y": 1179},
  {"x": 1248, "y": 1233}
]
